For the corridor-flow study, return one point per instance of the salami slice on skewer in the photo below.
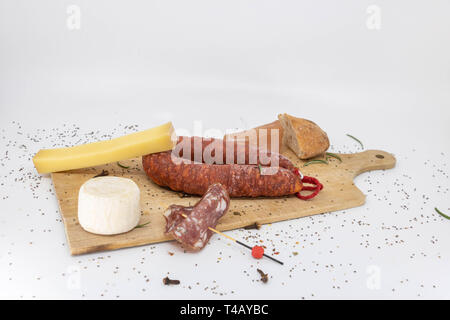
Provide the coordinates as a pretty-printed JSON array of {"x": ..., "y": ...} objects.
[{"x": 190, "y": 225}]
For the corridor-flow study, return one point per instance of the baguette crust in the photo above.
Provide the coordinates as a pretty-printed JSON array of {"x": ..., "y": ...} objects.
[{"x": 304, "y": 137}]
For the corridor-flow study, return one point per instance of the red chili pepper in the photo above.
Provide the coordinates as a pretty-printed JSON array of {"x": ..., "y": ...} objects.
[
  {"x": 316, "y": 189},
  {"x": 257, "y": 252}
]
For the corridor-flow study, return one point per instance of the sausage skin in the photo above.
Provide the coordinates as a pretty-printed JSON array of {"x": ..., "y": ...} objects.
[
  {"x": 239, "y": 180},
  {"x": 204, "y": 150}
]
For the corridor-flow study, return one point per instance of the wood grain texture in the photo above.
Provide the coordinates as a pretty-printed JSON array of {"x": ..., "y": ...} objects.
[{"x": 339, "y": 193}]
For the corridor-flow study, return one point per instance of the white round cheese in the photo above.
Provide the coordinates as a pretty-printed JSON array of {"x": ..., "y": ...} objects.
[{"x": 109, "y": 205}]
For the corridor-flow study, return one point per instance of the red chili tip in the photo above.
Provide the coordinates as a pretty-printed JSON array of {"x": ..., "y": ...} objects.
[{"x": 257, "y": 252}]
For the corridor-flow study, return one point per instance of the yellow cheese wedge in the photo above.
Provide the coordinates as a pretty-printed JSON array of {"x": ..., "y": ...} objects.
[{"x": 137, "y": 144}]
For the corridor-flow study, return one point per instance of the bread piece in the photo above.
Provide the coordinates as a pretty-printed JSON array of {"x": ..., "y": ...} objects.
[
  {"x": 304, "y": 137},
  {"x": 245, "y": 136}
]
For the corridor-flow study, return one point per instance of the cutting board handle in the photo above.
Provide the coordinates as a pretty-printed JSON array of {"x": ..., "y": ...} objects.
[{"x": 368, "y": 160}]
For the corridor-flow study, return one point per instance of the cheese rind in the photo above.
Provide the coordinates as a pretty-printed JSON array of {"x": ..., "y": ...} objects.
[
  {"x": 109, "y": 205},
  {"x": 137, "y": 144}
]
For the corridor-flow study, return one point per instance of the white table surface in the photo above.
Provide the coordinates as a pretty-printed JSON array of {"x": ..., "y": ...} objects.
[{"x": 227, "y": 65}]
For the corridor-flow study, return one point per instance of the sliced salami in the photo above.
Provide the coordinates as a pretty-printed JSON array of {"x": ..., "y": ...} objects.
[{"x": 190, "y": 225}]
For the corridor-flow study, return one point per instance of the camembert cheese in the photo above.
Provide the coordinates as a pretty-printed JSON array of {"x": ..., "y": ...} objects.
[{"x": 109, "y": 205}]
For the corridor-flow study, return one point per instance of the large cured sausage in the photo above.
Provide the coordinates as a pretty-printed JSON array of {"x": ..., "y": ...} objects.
[
  {"x": 190, "y": 225},
  {"x": 240, "y": 180},
  {"x": 218, "y": 151}
]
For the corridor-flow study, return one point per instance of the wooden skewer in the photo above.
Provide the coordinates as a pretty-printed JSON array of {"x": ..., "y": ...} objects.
[{"x": 237, "y": 241}]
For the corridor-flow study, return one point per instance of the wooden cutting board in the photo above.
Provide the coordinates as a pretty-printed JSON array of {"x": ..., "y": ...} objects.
[{"x": 339, "y": 193}]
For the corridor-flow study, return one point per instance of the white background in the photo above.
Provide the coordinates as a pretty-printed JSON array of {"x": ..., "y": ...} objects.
[{"x": 232, "y": 64}]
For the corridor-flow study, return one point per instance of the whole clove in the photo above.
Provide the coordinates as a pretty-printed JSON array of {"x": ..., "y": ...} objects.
[
  {"x": 168, "y": 281},
  {"x": 255, "y": 225},
  {"x": 264, "y": 276}
]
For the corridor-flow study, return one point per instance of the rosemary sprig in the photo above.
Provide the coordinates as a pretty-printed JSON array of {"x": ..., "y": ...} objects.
[
  {"x": 444, "y": 215},
  {"x": 332, "y": 155},
  {"x": 142, "y": 225},
  {"x": 315, "y": 161},
  {"x": 122, "y": 166},
  {"x": 260, "y": 169},
  {"x": 356, "y": 139},
  {"x": 104, "y": 173}
]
